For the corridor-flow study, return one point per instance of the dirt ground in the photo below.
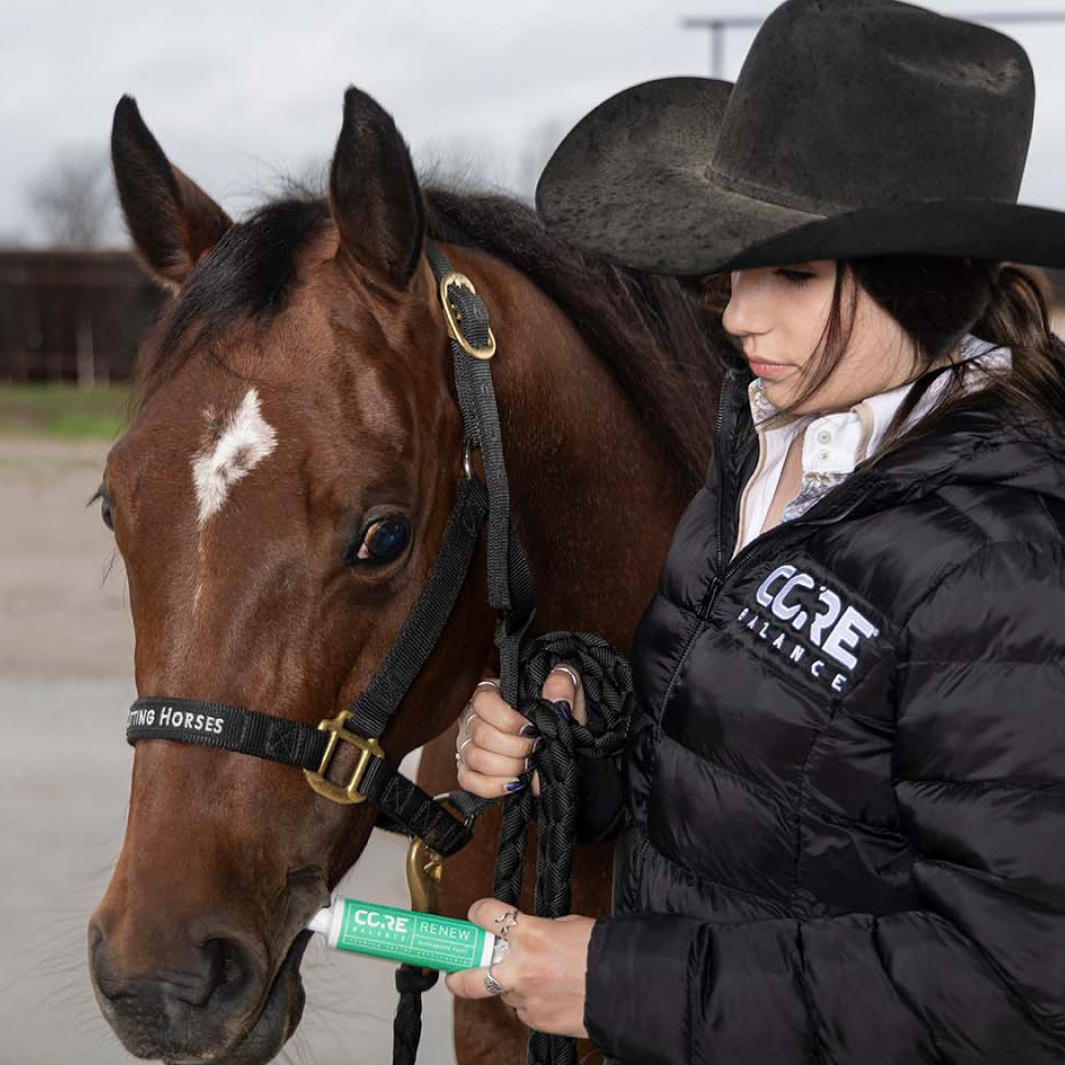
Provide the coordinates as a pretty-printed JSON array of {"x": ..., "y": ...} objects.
[
  {"x": 64, "y": 606},
  {"x": 66, "y": 654}
]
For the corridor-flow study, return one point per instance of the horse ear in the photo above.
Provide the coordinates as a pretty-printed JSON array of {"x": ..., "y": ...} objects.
[
  {"x": 374, "y": 194},
  {"x": 172, "y": 221}
]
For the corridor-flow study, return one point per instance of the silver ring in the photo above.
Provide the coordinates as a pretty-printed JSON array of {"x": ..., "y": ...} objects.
[
  {"x": 458, "y": 754},
  {"x": 464, "y": 720},
  {"x": 489, "y": 683},
  {"x": 493, "y": 985},
  {"x": 505, "y": 928},
  {"x": 570, "y": 672}
]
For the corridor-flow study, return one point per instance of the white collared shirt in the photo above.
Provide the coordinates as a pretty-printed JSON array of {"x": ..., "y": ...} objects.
[{"x": 833, "y": 444}]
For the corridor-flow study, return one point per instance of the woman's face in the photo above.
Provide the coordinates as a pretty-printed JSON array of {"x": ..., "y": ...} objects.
[{"x": 778, "y": 313}]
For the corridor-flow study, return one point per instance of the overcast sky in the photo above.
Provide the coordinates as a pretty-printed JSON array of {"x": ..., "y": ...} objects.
[{"x": 238, "y": 93}]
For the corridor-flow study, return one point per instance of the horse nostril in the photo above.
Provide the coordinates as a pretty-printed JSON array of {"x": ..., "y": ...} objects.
[
  {"x": 229, "y": 968},
  {"x": 96, "y": 939}
]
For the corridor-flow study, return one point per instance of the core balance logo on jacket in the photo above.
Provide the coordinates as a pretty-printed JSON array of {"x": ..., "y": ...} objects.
[{"x": 790, "y": 603}]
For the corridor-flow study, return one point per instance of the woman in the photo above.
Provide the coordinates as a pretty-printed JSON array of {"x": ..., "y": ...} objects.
[{"x": 843, "y": 829}]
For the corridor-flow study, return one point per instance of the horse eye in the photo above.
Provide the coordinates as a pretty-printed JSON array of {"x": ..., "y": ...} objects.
[
  {"x": 383, "y": 541},
  {"x": 106, "y": 510}
]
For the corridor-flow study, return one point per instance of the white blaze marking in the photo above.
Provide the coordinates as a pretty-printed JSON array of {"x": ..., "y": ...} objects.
[{"x": 244, "y": 442}]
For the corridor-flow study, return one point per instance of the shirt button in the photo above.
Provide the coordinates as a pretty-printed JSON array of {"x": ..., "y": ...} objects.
[
  {"x": 824, "y": 436},
  {"x": 823, "y": 456}
]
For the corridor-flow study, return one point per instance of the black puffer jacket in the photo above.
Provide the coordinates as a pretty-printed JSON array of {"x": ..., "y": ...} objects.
[{"x": 845, "y": 787}]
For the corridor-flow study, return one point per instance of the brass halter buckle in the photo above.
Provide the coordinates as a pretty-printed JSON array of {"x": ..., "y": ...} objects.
[
  {"x": 453, "y": 316},
  {"x": 344, "y": 794}
]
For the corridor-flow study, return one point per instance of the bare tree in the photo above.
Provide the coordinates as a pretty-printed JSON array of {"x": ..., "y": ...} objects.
[{"x": 75, "y": 200}]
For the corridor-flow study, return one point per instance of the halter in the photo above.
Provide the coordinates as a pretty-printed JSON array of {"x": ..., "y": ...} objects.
[{"x": 404, "y": 807}]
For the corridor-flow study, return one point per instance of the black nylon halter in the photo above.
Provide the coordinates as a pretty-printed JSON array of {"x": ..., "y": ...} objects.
[{"x": 403, "y": 806}]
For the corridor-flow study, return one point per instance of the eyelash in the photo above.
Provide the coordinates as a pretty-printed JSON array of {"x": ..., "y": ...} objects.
[{"x": 795, "y": 277}]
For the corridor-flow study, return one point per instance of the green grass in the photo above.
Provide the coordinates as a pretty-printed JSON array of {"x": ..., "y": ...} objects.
[{"x": 63, "y": 410}]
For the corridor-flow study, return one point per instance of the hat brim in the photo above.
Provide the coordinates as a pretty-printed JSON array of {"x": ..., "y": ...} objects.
[{"x": 630, "y": 183}]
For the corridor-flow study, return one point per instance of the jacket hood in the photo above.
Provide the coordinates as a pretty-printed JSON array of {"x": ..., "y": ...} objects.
[{"x": 976, "y": 446}]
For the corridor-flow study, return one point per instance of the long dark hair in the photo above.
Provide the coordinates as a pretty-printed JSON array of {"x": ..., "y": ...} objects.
[{"x": 937, "y": 300}]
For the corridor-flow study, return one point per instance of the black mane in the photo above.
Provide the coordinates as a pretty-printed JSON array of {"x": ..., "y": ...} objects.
[{"x": 662, "y": 348}]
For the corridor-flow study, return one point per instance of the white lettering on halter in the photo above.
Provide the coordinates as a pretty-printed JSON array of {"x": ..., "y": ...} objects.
[{"x": 241, "y": 445}]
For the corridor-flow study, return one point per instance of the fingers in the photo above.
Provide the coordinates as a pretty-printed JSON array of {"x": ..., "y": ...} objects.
[
  {"x": 490, "y": 706},
  {"x": 484, "y": 914},
  {"x": 492, "y": 752},
  {"x": 485, "y": 786},
  {"x": 559, "y": 685},
  {"x": 470, "y": 983},
  {"x": 487, "y": 737},
  {"x": 491, "y": 764},
  {"x": 494, "y": 742}
]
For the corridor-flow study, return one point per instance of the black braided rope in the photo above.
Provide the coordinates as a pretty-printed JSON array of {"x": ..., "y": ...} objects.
[
  {"x": 607, "y": 680},
  {"x": 411, "y": 983}
]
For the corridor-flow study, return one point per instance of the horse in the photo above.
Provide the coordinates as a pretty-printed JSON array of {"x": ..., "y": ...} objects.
[{"x": 293, "y": 449}]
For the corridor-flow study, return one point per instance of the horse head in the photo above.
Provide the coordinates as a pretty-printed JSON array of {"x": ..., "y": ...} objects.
[{"x": 277, "y": 511}]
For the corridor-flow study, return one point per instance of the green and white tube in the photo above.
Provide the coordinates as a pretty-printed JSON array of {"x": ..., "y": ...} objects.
[{"x": 421, "y": 939}]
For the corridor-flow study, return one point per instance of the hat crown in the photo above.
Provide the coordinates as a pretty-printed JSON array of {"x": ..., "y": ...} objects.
[{"x": 851, "y": 103}]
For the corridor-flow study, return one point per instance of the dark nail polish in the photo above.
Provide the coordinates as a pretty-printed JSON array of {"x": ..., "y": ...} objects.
[
  {"x": 564, "y": 708},
  {"x": 529, "y": 730},
  {"x": 538, "y": 745},
  {"x": 514, "y": 785}
]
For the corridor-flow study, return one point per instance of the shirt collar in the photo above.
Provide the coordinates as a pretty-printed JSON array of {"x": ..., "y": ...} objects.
[{"x": 834, "y": 443}]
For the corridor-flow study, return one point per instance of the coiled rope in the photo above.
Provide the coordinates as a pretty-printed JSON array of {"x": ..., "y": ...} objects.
[{"x": 606, "y": 677}]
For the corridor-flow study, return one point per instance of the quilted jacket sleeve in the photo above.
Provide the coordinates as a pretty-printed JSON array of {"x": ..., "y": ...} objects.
[{"x": 977, "y": 972}]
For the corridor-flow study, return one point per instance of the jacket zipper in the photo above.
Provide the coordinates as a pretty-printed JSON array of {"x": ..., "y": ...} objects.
[
  {"x": 721, "y": 578},
  {"x": 711, "y": 594},
  {"x": 717, "y": 583}
]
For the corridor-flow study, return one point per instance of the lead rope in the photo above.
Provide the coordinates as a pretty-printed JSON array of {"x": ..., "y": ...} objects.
[{"x": 607, "y": 680}]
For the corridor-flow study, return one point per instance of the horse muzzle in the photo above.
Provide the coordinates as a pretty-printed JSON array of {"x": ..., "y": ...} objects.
[{"x": 214, "y": 1003}]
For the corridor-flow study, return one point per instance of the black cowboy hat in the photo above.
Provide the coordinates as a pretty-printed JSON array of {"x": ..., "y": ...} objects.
[{"x": 855, "y": 128}]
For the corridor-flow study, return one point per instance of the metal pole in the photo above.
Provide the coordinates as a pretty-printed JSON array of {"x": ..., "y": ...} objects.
[{"x": 717, "y": 26}]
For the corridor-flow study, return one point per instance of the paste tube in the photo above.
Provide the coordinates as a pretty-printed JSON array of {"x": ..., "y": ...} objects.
[{"x": 421, "y": 939}]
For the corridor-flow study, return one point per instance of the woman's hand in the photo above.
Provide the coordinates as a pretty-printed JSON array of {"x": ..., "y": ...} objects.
[
  {"x": 544, "y": 972},
  {"x": 495, "y": 742}
]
